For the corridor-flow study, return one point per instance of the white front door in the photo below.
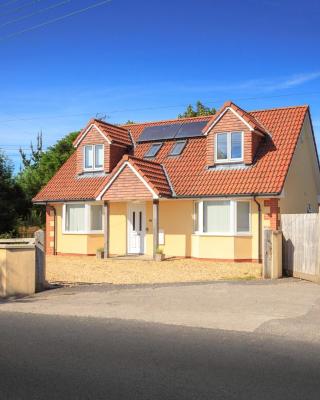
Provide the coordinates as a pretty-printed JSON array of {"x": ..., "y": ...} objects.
[{"x": 136, "y": 228}]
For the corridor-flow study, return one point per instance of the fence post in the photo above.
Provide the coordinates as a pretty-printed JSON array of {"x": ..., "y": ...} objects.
[
  {"x": 272, "y": 254},
  {"x": 267, "y": 253},
  {"x": 40, "y": 260}
]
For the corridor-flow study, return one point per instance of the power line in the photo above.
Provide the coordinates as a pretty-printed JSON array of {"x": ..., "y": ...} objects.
[
  {"x": 208, "y": 100},
  {"x": 53, "y": 20},
  {"x": 24, "y": 5},
  {"x": 42, "y": 10},
  {"x": 7, "y": 3}
]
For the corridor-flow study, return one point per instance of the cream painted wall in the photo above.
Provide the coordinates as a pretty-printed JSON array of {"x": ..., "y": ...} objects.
[
  {"x": 303, "y": 182},
  {"x": 118, "y": 228},
  {"x": 176, "y": 220},
  {"x": 67, "y": 243},
  {"x": 213, "y": 247}
]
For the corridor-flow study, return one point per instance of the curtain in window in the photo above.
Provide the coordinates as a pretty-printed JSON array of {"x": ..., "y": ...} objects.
[
  {"x": 216, "y": 216},
  {"x": 96, "y": 218},
  {"x": 243, "y": 223},
  {"x": 75, "y": 217}
]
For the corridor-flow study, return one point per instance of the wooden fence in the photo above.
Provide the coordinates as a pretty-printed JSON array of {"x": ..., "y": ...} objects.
[{"x": 301, "y": 236}]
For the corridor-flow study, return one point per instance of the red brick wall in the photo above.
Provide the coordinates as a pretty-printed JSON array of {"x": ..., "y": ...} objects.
[
  {"x": 127, "y": 186},
  {"x": 230, "y": 122},
  {"x": 50, "y": 230},
  {"x": 115, "y": 155},
  {"x": 274, "y": 213},
  {"x": 112, "y": 153}
]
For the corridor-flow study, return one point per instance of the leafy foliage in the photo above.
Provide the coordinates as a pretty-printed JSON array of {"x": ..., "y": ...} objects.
[
  {"x": 200, "y": 110},
  {"x": 12, "y": 198},
  {"x": 40, "y": 167}
]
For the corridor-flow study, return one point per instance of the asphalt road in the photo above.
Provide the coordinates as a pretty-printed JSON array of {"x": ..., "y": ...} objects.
[{"x": 66, "y": 357}]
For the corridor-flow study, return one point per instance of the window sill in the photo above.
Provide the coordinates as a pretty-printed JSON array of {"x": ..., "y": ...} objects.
[
  {"x": 249, "y": 234},
  {"x": 83, "y": 233},
  {"x": 235, "y": 161},
  {"x": 93, "y": 169}
]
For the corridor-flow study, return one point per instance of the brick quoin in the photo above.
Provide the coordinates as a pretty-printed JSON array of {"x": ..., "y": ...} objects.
[
  {"x": 274, "y": 213},
  {"x": 50, "y": 231},
  {"x": 229, "y": 122}
]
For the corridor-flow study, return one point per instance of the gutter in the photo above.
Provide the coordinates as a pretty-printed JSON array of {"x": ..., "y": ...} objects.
[{"x": 259, "y": 228}]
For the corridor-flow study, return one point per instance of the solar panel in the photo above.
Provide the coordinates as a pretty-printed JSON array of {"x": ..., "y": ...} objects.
[
  {"x": 191, "y": 129},
  {"x": 172, "y": 131},
  {"x": 159, "y": 132}
]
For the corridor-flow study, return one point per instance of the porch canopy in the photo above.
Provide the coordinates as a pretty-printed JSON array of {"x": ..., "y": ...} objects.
[{"x": 135, "y": 179}]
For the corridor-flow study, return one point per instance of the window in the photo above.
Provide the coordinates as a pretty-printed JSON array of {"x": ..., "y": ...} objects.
[
  {"x": 98, "y": 156},
  {"x": 88, "y": 157},
  {"x": 178, "y": 148},
  {"x": 153, "y": 150},
  {"x": 96, "y": 218},
  {"x": 216, "y": 216},
  {"x": 82, "y": 218},
  {"x": 222, "y": 217},
  {"x": 229, "y": 147},
  {"x": 93, "y": 157},
  {"x": 243, "y": 220},
  {"x": 75, "y": 217}
]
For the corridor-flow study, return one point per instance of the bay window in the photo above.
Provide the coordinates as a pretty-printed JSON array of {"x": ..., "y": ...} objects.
[
  {"x": 93, "y": 157},
  {"x": 82, "y": 218},
  {"x": 222, "y": 217},
  {"x": 229, "y": 147}
]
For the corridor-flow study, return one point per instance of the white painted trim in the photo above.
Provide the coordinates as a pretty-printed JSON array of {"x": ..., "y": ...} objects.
[
  {"x": 127, "y": 163},
  {"x": 228, "y": 160},
  {"x": 87, "y": 130},
  {"x": 222, "y": 114},
  {"x": 93, "y": 169},
  {"x": 87, "y": 218},
  {"x": 144, "y": 225},
  {"x": 233, "y": 219}
]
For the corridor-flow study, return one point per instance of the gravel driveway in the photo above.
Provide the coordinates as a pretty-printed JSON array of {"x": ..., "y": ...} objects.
[{"x": 82, "y": 269}]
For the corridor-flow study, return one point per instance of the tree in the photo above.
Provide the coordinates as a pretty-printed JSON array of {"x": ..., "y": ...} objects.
[
  {"x": 36, "y": 154},
  {"x": 201, "y": 110},
  {"x": 38, "y": 169},
  {"x": 129, "y": 122},
  {"x": 12, "y": 198}
]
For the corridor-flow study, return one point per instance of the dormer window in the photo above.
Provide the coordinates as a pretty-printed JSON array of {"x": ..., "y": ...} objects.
[
  {"x": 229, "y": 147},
  {"x": 153, "y": 150},
  {"x": 93, "y": 157}
]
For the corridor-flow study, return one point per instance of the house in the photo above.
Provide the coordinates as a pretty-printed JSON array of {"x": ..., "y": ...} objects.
[{"x": 202, "y": 187}]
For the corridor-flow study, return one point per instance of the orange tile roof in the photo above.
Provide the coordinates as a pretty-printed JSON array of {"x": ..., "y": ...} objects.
[
  {"x": 153, "y": 173},
  {"x": 189, "y": 174},
  {"x": 66, "y": 185},
  {"x": 114, "y": 133},
  {"x": 249, "y": 118}
]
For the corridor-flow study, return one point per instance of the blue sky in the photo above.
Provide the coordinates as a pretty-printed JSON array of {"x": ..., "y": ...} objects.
[{"x": 146, "y": 60}]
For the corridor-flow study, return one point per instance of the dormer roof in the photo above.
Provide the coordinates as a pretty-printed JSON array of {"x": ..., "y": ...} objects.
[
  {"x": 252, "y": 122},
  {"x": 111, "y": 133}
]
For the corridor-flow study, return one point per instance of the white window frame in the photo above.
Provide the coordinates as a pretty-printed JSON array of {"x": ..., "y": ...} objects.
[
  {"x": 87, "y": 216},
  {"x": 233, "y": 218},
  {"x": 93, "y": 146},
  {"x": 229, "y": 159}
]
